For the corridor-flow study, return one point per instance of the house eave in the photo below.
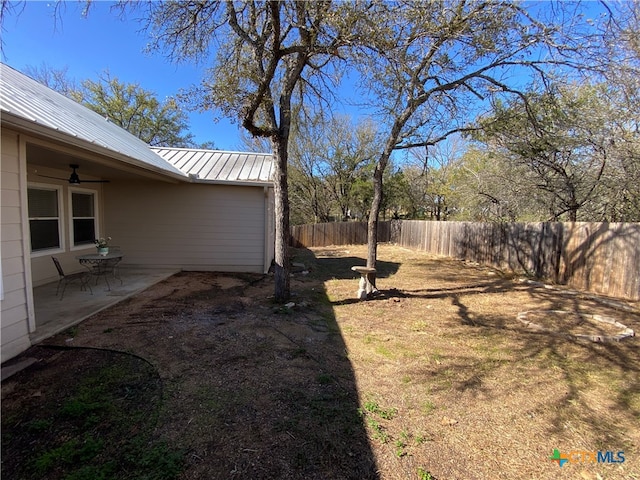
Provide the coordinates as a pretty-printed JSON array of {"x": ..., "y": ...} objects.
[{"x": 33, "y": 128}]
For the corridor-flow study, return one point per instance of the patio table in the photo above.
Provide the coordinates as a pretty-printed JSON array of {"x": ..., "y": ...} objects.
[{"x": 102, "y": 265}]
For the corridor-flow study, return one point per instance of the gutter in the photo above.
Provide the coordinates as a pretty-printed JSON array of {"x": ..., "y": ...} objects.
[{"x": 244, "y": 183}]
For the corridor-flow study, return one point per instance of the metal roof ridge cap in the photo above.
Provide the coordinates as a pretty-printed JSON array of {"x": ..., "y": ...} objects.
[{"x": 246, "y": 152}]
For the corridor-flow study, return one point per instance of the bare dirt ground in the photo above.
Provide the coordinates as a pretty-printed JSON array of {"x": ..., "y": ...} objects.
[{"x": 434, "y": 378}]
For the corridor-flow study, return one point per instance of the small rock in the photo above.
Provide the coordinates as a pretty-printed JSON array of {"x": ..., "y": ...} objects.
[
  {"x": 289, "y": 305},
  {"x": 449, "y": 421}
]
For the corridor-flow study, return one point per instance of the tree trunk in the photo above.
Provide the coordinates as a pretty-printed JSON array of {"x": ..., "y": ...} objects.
[
  {"x": 376, "y": 203},
  {"x": 281, "y": 194},
  {"x": 372, "y": 228}
]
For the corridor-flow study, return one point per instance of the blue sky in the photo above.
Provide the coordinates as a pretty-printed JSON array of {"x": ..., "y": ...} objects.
[{"x": 89, "y": 46}]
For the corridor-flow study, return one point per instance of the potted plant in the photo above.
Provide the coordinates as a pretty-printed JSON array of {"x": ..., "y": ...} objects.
[{"x": 102, "y": 244}]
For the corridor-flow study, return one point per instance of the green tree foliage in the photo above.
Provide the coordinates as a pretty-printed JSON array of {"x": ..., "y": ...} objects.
[
  {"x": 349, "y": 157},
  {"x": 580, "y": 145},
  {"x": 431, "y": 188},
  {"x": 490, "y": 188},
  {"x": 160, "y": 124}
]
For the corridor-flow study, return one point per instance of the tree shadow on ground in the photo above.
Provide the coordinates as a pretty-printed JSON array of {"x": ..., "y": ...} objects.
[
  {"x": 251, "y": 389},
  {"x": 84, "y": 413},
  {"x": 577, "y": 364},
  {"x": 578, "y": 254},
  {"x": 336, "y": 264},
  {"x": 448, "y": 332}
]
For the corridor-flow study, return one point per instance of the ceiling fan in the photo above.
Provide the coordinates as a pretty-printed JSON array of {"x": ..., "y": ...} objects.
[{"x": 74, "y": 179}]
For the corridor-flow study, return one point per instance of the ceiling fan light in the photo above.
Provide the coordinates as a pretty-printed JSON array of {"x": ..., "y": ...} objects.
[{"x": 74, "y": 179}]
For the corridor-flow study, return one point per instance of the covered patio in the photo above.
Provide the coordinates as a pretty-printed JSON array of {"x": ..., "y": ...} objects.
[
  {"x": 54, "y": 315},
  {"x": 70, "y": 177}
]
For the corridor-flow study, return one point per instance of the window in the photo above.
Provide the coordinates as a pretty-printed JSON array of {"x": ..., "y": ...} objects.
[
  {"x": 83, "y": 218},
  {"x": 44, "y": 218}
]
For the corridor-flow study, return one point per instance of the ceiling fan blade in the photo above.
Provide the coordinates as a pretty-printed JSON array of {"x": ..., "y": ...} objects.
[
  {"x": 73, "y": 179},
  {"x": 48, "y": 176}
]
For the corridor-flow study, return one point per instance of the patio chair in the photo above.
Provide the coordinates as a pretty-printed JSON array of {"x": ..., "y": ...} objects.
[{"x": 82, "y": 277}]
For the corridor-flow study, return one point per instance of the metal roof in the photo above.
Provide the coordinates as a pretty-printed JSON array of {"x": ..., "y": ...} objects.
[
  {"x": 220, "y": 166},
  {"x": 31, "y": 105}
]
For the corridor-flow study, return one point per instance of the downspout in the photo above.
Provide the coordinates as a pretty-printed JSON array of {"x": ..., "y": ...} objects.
[{"x": 268, "y": 228}]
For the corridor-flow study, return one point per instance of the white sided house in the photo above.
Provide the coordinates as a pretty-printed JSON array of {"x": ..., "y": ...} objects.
[{"x": 183, "y": 209}]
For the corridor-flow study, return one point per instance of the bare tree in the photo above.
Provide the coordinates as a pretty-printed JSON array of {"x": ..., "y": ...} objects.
[
  {"x": 572, "y": 150},
  {"x": 622, "y": 198},
  {"x": 563, "y": 139},
  {"x": 266, "y": 58},
  {"x": 55, "y": 78},
  {"x": 430, "y": 178},
  {"x": 429, "y": 65},
  {"x": 307, "y": 185},
  {"x": 489, "y": 187},
  {"x": 328, "y": 159}
]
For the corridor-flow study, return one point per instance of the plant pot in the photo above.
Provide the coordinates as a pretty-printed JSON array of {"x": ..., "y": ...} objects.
[{"x": 104, "y": 251}]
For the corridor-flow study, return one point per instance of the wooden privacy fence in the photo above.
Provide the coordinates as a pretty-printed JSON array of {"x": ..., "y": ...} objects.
[
  {"x": 335, "y": 233},
  {"x": 596, "y": 257}
]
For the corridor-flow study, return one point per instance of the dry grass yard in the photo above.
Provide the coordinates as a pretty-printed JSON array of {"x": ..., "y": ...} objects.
[
  {"x": 476, "y": 394},
  {"x": 434, "y": 378}
]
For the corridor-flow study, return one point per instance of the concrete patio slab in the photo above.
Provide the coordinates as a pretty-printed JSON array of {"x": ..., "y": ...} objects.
[{"x": 54, "y": 315}]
